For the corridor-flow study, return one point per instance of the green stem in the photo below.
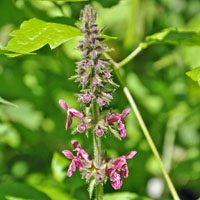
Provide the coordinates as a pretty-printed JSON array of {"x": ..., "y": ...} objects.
[
  {"x": 130, "y": 57},
  {"x": 97, "y": 149},
  {"x": 144, "y": 129},
  {"x": 151, "y": 143},
  {"x": 168, "y": 145}
]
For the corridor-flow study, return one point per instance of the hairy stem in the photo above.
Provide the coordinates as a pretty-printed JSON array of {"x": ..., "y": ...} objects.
[
  {"x": 144, "y": 129},
  {"x": 97, "y": 149}
]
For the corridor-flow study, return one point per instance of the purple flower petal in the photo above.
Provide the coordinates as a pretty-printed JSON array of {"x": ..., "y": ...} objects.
[
  {"x": 63, "y": 104},
  {"x": 68, "y": 154},
  {"x": 69, "y": 121},
  {"x": 114, "y": 117},
  {"x": 70, "y": 170},
  {"x": 122, "y": 128},
  {"x": 131, "y": 155},
  {"x": 125, "y": 112},
  {"x": 75, "y": 113},
  {"x": 116, "y": 179}
]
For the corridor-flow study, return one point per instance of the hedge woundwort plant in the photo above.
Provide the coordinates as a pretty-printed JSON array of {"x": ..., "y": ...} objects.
[{"x": 94, "y": 76}]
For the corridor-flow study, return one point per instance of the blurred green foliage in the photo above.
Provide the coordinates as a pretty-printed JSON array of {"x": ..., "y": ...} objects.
[{"x": 32, "y": 133}]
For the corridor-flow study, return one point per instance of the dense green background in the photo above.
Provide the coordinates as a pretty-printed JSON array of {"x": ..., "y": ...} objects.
[{"x": 32, "y": 134}]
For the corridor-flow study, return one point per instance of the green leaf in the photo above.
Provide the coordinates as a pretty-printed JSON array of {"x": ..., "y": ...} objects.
[
  {"x": 194, "y": 74},
  {"x": 58, "y": 164},
  {"x": 174, "y": 36},
  {"x": 34, "y": 34},
  {"x": 91, "y": 187},
  {"x": 19, "y": 191},
  {"x": 24, "y": 114},
  {"x": 7, "y": 102},
  {"x": 115, "y": 133},
  {"x": 124, "y": 196}
]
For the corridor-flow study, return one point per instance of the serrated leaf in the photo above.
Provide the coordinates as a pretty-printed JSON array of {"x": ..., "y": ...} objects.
[
  {"x": 7, "y": 102},
  {"x": 34, "y": 34},
  {"x": 194, "y": 74},
  {"x": 91, "y": 187},
  {"x": 174, "y": 36},
  {"x": 124, "y": 196},
  {"x": 20, "y": 191}
]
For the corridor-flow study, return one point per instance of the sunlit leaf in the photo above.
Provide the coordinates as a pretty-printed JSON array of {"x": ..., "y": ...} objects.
[
  {"x": 174, "y": 36},
  {"x": 34, "y": 34},
  {"x": 52, "y": 188},
  {"x": 124, "y": 196},
  {"x": 58, "y": 164},
  {"x": 194, "y": 74},
  {"x": 24, "y": 114},
  {"x": 16, "y": 191}
]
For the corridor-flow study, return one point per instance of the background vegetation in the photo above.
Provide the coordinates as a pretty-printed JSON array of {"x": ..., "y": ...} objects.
[{"x": 32, "y": 134}]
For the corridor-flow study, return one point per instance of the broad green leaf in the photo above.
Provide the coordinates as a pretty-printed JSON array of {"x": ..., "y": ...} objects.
[
  {"x": 19, "y": 191},
  {"x": 124, "y": 196},
  {"x": 194, "y": 74},
  {"x": 7, "y": 102},
  {"x": 175, "y": 36},
  {"x": 12, "y": 54},
  {"x": 34, "y": 34}
]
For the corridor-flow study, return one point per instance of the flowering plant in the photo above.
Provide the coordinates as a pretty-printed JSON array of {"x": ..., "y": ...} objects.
[{"x": 97, "y": 86}]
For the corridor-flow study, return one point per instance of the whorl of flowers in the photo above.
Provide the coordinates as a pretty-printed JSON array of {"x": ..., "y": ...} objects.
[{"x": 95, "y": 79}]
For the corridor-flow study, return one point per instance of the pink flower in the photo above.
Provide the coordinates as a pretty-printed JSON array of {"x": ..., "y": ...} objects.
[
  {"x": 118, "y": 170},
  {"x": 120, "y": 119},
  {"x": 70, "y": 113},
  {"x": 77, "y": 161},
  {"x": 81, "y": 153}
]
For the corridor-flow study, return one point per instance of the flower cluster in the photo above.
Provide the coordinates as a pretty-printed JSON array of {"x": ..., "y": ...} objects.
[
  {"x": 116, "y": 169},
  {"x": 95, "y": 80}
]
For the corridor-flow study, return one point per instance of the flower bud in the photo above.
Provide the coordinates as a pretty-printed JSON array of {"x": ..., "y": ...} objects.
[
  {"x": 87, "y": 98},
  {"x": 99, "y": 131},
  {"x": 81, "y": 127}
]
